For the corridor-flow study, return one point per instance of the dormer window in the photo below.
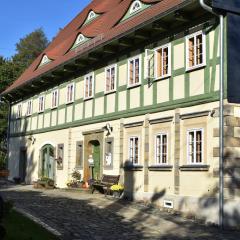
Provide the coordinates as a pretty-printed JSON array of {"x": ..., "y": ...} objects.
[
  {"x": 91, "y": 15},
  {"x": 136, "y": 6},
  {"x": 80, "y": 39},
  {"x": 45, "y": 60}
]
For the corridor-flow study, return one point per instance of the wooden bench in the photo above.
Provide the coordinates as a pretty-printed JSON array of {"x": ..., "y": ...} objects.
[
  {"x": 105, "y": 184},
  {"x": 4, "y": 173}
]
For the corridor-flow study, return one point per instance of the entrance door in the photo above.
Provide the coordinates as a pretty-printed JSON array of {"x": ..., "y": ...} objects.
[
  {"x": 23, "y": 164},
  {"x": 48, "y": 165},
  {"x": 96, "y": 157}
]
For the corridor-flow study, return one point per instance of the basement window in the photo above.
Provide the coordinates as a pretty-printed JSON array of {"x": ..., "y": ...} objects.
[{"x": 136, "y": 6}]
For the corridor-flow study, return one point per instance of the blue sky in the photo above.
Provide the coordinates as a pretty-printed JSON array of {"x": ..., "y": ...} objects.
[{"x": 20, "y": 17}]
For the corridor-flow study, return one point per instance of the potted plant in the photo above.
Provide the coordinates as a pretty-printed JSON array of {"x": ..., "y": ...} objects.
[
  {"x": 117, "y": 190},
  {"x": 75, "y": 182}
]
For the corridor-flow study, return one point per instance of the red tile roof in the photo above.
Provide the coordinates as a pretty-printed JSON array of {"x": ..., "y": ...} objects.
[{"x": 104, "y": 28}]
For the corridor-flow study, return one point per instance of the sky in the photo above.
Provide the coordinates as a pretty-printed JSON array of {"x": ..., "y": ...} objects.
[{"x": 20, "y": 17}]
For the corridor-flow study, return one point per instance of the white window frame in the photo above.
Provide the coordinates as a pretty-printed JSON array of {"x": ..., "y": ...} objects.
[
  {"x": 161, "y": 162},
  {"x": 55, "y": 90},
  {"x": 43, "y": 103},
  {"x": 196, "y": 66},
  {"x": 115, "y": 79},
  {"x": 80, "y": 39},
  {"x": 168, "y": 45},
  {"x": 19, "y": 110},
  {"x": 132, "y": 10},
  {"x": 140, "y": 71},
  {"x": 45, "y": 60},
  {"x": 129, "y": 149},
  {"x": 91, "y": 15},
  {"x": 93, "y": 83},
  {"x": 202, "y": 157},
  {"x": 67, "y": 93},
  {"x": 29, "y": 107}
]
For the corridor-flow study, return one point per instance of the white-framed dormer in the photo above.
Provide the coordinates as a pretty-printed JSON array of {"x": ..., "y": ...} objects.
[
  {"x": 29, "y": 107},
  {"x": 195, "y": 146},
  {"x": 89, "y": 86},
  {"x": 70, "y": 93},
  {"x": 41, "y": 103},
  {"x": 54, "y": 98},
  {"x": 80, "y": 39},
  {"x": 91, "y": 15},
  {"x": 135, "y": 7},
  {"x": 134, "y": 149},
  {"x": 162, "y": 61},
  {"x": 134, "y": 74},
  {"x": 45, "y": 60},
  {"x": 110, "y": 78},
  {"x": 161, "y": 148},
  {"x": 195, "y": 51}
]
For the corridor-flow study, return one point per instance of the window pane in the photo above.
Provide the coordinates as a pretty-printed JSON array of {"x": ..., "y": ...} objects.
[
  {"x": 131, "y": 72},
  {"x": 199, "y": 50},
  {"x": 165, "y": 61},
  {"x": 136, "y": 70},
  {"x": 191, "y": 52}
]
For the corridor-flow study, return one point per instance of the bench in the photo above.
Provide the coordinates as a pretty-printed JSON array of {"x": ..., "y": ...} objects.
[
  {"x": 48, "y": 184},
  {"x": 105, "y": 184},
  {"x": 4, "y": 173}
]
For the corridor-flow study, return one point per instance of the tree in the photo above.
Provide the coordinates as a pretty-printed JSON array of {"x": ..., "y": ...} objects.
[{"x": 27, "y": 49}]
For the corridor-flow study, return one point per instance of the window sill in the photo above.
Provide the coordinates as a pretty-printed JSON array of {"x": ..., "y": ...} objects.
[
  {"x": 68, "y": 103},
  {"x": 109, "y": 92},
  {"x": 40, "y": 112},
  {"x": 162, "y": 77},
  {"x": 198, "y": 67},
  {"x": 87, "y": 98},
  {"x": 108, "y": 167},
  {"x": 134, "y": 85},
  {"x": 192, "y": 167},
  {"x": 160, "y": 168},
  {"x": 133, "y": 167},
  {"x": 53, "y": 108}
]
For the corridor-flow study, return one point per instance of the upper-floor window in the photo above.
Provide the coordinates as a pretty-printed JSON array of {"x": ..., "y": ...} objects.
[
  {"x": 70, "y": 93},
  {"x": 162, "y": 61},
  {"x": 134, "y": 150},
  {"x": 41, "y": 101},
  {"x": 19, "y": 110},
  {"x": 88, "y": 85},
  {"x": 134, "y": 71},
  {"x": 45, "y": 60},
  {"x": 195, "y": 50},
  {"x": 161, "y": 146},
  {"x": 136, "y": 5},
  {"x": 91, "y": 15},
  {"x": 111, "y": 76},
  {"x": 80, "y": 39},
  {"x": 29, "y": 108},
  {"x": 195, "y": 146},
  {"x": 54, "y": 98}
]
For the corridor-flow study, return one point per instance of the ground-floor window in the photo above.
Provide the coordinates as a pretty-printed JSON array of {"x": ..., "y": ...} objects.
[
  {"x": 79, "y": 154},
  {"x": 109, "y": 152},
  {"x": 134, "y": 150},
  {"x": 60, "y": 156},
  {"x": 161, "y": 148},
  {"x": 195, "y": 146}
]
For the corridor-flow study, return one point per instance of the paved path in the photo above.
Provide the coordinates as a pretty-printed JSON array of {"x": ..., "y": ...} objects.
[{"x": 95, "y": 217}]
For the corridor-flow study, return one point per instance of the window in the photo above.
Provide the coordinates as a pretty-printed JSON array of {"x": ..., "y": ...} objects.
[
  {"x": 109, "y": 152},
  {"x": 19, "y": 110},
  {"x": 134, "y": 150},
  {"x": 80, "y": 39},
  {"x": 41, "y": 104},
  {"x": 136, "y": 5},
  {"x": 161, "y": 148},
  {"x": 91, "y": 15},
  {"x": 70, "y": 93},
  {"x": 45, "y": 60},
  {"x": 60, "y": 156},
  {"x": 29, "y": 108},
  {"x": 88, "y": 86},
  {"x": 134, "y": 75},
  {"x": 54, "y": 98},
  {"x": 195, "y": 50},
  {"x": 79, "y": 154},
  {"x": 162, "y": 59},
  {"x": 195, "y": 146},
  {"x": 111, "y": 75}
]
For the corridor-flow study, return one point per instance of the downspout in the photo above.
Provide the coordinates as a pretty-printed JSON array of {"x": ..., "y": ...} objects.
[
  {"x": 8, "y": 130},
  {"x": 221, "y": 116}
]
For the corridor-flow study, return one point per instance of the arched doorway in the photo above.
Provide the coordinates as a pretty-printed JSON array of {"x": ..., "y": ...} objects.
[
  {"x": 94, "y": 146},
  {"x": 47, "y": 161}
]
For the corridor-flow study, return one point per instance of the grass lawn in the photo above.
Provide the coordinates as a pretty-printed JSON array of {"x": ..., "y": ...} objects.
[{"x": 19, "y": 227}]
